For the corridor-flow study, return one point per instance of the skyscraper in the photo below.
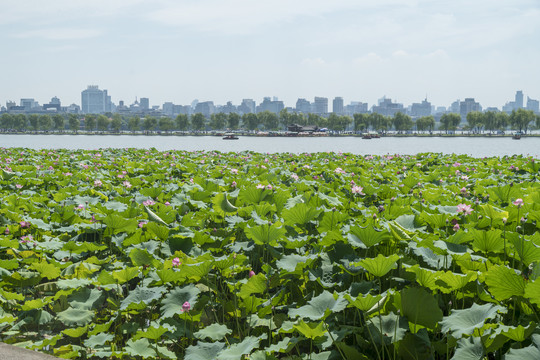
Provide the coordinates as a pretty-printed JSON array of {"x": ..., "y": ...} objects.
[
  {"x": 337, "y": 105},
  {"x": 145, "y": 104},
  {"x": 519, "y": 99},
  {"x": 320, "y": 105},
  {"x": 95, "y": 101}
]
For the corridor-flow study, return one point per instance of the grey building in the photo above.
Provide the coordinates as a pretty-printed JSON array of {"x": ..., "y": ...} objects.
[
  {"x": 206, "y": 108},
  {"x": 467, "y": 106},
  {"x": 145, "y": 104},
  {"x": 337, "y": 105},
  {"x": 387, "y": 108},
  {"x": 519, "y": 99},
  {"x": 421, "y": 109},
  {"x": 247, "y": 106},
  {"x": 95, "y": 101},
  {"x": 274, "y": 106},
  {"x": 320, "y": 105},
  {"x": 303, "y": 106},
  {"x": 532, "y": 105}
]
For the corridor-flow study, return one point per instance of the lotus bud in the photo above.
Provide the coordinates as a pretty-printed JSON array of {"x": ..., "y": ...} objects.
[
  {"x": 186, "y": 306},
  {"x": 251, "y": 273},
  {"x": 504, "y": 220}
]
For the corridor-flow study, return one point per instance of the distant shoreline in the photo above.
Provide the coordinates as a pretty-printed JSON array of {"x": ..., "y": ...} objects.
[{"x": 250, "y": 134}]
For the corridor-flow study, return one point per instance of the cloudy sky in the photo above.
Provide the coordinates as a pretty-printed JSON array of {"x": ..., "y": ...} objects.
[{"x": 227, "y": 50}]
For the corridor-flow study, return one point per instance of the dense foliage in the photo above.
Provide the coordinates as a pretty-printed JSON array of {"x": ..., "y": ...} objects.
[{"x": 204, "y": 255}]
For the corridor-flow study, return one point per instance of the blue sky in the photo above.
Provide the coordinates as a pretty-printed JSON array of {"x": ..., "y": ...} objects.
[{"x": 227, "y": 50}]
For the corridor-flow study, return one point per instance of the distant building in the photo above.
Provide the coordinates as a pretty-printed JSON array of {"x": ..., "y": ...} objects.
[
  {"x": 467, "y": 106},
  {"x": 532, "y": 105},
  {"x": 29, "y": 104},
  {"x": 356, "y": 107},
  {"x": 53, "y": 105},
  {"x": 454, "y": 107},
  {"x": 387, "y": 108},
  {"x": 206, "y": 108},
  {"x": 247, "y": 106},
  {"x": 228, "y": 108},
  {"x": 95, "y": 101},
  {"x": 274, "y": 106},
  {"x": 492, "y": 109},
  {"x": 421, "y": 109},
  {"x": 440, "y": 110},
  {"x": 303, "y": 106},
  {"x": 320, "y": 105},
  {"x": 337, "y": 106},
  {"x": 145, "y": 104},
  {"x": 519, "y": 99}
]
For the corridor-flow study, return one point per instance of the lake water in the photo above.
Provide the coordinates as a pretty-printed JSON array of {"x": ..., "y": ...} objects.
[{"x": 474, "y": 146}]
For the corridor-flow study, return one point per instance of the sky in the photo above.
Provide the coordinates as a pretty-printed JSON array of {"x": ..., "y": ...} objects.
[{"x": 228, "y": 50}]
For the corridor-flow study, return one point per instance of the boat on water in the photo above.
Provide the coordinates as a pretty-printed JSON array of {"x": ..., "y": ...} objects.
[
  {"x": 516, "y": 136},
  {"x": 230, "y": 136}
]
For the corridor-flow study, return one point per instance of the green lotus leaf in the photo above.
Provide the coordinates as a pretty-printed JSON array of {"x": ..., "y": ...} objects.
[
  {"x": 531, "y": 352},
  {"x": 265, "y": 234},
  {"x": 409, "y": 223},
  {"x": 300, "y": 214},
  {"x": 380, "y": 265},
  {"x": 97, "y": 340},
  {"x": 255, "y": 285},
  {"x": 516, "y": 333},
  {"x": 161, "y": 232},
  {"x": 487, "y": 241},
  {"x": 364, "y": 303},
  {"x": 463, "y": 322},
  {"x": 425, "y": 277},
  {"x": 116, "y": 206},
  {"x": 32, "y": 304},
  {"x": 222, "y": 204},
  {"x": 173, "y": 301},
  {"x": 504, "y": 283},
  {"x": 76, "y": 332},
  {"x": 126, "y": 274},
  {"x": 493, "y": 212},
  {"x": 141, "y": 257},
  {"x": 387, "y": 329},
  {"x": 416, "y": 346},
  {"x": 290, "y": 262},
  {"x": 469, "y": 349},
  {"x": 46, "y": 270},
  {"x": 140, "y": 348},
  {"x": 141, "y": 297},
  {"x": 86, "y": 299},
  {"x": 12, "y": 264},
  {"x": 73, "y": 316},
  {"x": 152, "y": 333},
  {"x": 116, "y": 224},
  {"x": 72, "y": 283},
  {"x": 528, "y": 252},
  {"x": 420, "y": 307},
  {"x": 215, "y": 332},
  {"x": 366, "y": 237},
  {"x": 310, "y": 330},
  {"x": 532, "y": 291},
  {"x": 449, "y": 281},
  {"x": 204, "y": 351},
  {"x": 321, "y": 306}
]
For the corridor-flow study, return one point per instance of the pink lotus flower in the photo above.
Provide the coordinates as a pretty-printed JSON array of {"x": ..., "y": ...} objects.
[
  {"x": 149, "y": 202},
  {"x": 295, "y": 177},
  {"x": 518, "y": 202},
  {"x": 357, "y": 190},
  {"x": 463, "y": 190},
  {"x": 24, "y": 224},
  {"x": 234, "y": 171},
  {"x": 186, "y": 306},
  {"x": 260, "y": 186},
  {"x": 464, "y": 208},
  {"x": 127, "y": 184},
  {"x": 269, "y": 187},
  {"x": 233, "y": 184},
  {"x": 80, "y": 207},
  {"x": 176, "y": 262},
  {"x": 6, "y": 232},
  {"x": 251, "y": 273},
  {"x": 141, "y": 224},
  {"x": 456, "y": 227},
  {"x": 98, "y": 183},
  {"x": 18, "y": 186}
]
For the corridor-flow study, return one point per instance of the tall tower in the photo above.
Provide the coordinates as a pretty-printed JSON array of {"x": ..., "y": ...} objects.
[{"x": 519, "y": 99}]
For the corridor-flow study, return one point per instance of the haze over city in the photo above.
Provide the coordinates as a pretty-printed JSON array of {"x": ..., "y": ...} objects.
[{"x": 177, "y": 51}]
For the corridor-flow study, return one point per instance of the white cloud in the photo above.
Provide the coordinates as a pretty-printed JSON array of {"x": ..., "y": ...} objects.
[{"x": 60, "y": 34}]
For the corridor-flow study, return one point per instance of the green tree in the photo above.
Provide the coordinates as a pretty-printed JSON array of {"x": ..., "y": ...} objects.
[
  {"x": 298, "y": 118},
  {"x": 45, "y": 122},
  {"x": 134, "y": 123},
  {"x": 116, "y": 123},
  {"x": 74, "y": 122},
  {"x": 361, "y": 122},
  {"x": 250, "y": 120},
  {"x": 402, "y": 122},
  {"x": 34, "y": 121},
  {"x": 379, "y": 122},
  {"x": 489, "y": 119},
  {"x": 502, "y": 120},
  {"x": 103, "y": 123},
  {"x": 20, "y": 122},
  {"x": 475, "y": 119},
  {"x": 521, "y": 119},
  {"x": 182, "y": 122},
  {"x": 425, "y": 123},
  {"x": 149, "y": 123},
  {"x": 269, "y": 119},
  {"x": 7, "y": 121},
  {"x": 338, "y": 123},
  {"x": 90, "y": 122},
  {"x": 59, "y": 122},
  {"x": 166, "y": 124},
  {"x": 233, "y": 120},
  {"x": 313, "y": 119},
  {"x": 285, "y": 118},
  {"x": 450, "y": 121},
  {"x": 218, "y": 121},
  {"x": 198, "y": 121}
]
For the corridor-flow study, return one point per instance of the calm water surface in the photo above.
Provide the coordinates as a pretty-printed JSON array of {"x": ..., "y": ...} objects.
[{"x": 477, "y": 147}]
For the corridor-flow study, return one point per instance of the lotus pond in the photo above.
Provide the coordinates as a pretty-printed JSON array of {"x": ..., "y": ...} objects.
[{"x": 141, "y": 254}]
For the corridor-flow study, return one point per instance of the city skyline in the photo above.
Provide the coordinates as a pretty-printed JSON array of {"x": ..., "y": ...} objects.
[{"x": 230, "y": 50}]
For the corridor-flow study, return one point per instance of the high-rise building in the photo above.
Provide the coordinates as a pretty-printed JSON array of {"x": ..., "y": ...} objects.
[
  {"x": 207, "y": 108},
  {"x": 29, "y": 104},
  {"x": 387, "y": 108},
  {"x": 145, "y": 104},
  {"x": 519, "y": 99},
  {"x": 421, "y": 109},
  {"x": 468, "y": 106},
  {"x": 274, "y": 106},
  {"x": 95, "y": 101},
  {"x": 247, "y": 106},
  {"x": 532, "y": 105},
  {"x": 303, "y": 106},
  {"x": 320, "y": 105},
  {"x": 337, "y": 105}
]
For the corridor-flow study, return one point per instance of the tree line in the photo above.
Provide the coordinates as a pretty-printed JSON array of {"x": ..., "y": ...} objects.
[{"x": 477, "y": 122}]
